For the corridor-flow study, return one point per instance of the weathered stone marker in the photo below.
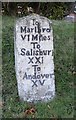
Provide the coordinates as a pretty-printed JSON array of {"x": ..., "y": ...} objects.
[{"x": 34, "y": 58}]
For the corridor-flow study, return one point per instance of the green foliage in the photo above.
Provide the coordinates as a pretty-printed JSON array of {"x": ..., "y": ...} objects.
[
  {"x": 62, "y": 106},
  {"x": 57, "y": 12},
  {"x": 53, "y": 10}
]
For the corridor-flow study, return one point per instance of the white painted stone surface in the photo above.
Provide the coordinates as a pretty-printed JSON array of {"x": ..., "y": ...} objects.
[{"x": 34, "y": 58}]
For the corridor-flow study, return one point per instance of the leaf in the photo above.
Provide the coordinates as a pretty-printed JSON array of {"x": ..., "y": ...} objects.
[
  {"x": 1, "y": 104},
  {"x": 74, "y": 72},
  {"x": 30, "y": 111},
  {"x": 49, "y": 106}
]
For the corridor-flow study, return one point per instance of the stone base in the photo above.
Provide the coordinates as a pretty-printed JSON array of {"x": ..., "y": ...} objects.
[{"x": 35, "y": 99}]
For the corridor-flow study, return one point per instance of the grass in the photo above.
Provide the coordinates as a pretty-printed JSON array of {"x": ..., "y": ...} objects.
[
  {"x": 62, "y": 106},
  {"x": 0, "y": 66}
]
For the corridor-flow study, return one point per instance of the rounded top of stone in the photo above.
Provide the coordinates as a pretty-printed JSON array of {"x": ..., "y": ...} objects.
[{"x": 33, "y": 16}]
